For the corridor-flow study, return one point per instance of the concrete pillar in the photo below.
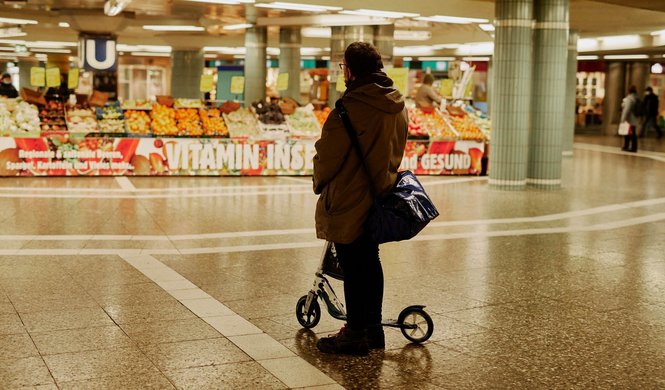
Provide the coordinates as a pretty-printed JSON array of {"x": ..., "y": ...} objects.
[
  {"x": 290, "y": 42},
  {"x": 186, "y": 69},
  {"x": 639, "y": 76},
  {"x": 615, "y": 90},
  {"x": 511, "y": 106},
  {"x": 549, "y": 93},
  {"x": 341, "y": 38},
  {"x": 256, "y": 71},
  {"x": 571, "y": 84},
  {"x": 384, "y": 40}
]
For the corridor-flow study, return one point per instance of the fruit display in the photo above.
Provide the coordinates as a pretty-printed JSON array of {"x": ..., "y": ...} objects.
[
  {"x": 138, "y": 122},
  {"x": 229, "y": 106},
  {"x": 163, "y": 120},
  {"x": 52, "y": 117},
  {"x": 18, "y": 119},
  {"x": 114, "y": 126},
  {"x": 188, "y": 103},
  {"x": 466, "y": 127},
  {"x": 269, "y": 113},
  {"x": 81, "y": 120},
  {"x": 322, "y": 115},
  {"x": 431, "y": 124},
  {"x": 303, "y": 123},
  {"x": 415, "y": 127},
  {"x": 109, "y": 112},
  {"x": 480, "y": 119},
  {"x": 111, "y": 119},
  {"x": 213, "y": 123},
  {"x": 242, "y": 123}
]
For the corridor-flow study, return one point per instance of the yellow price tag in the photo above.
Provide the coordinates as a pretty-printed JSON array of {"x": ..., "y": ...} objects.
[
  {"x": 53, "y": 77},
  {"x": 400, "y": 77},
  {"x": 446, "y": 89},
  {"x": 73, "y": 78},
  {"x": 469, "y": 90},
  {"x": 341, "y": 85},
  {"x": 207, "y": 83},
  {"x": 237, "y": 85},
  {"x": 283, "y": 82},
  {"x": 37, "y": 76}
]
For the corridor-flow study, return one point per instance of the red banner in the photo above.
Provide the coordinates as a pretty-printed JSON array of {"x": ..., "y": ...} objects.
[{"x": 66, "y": 155}]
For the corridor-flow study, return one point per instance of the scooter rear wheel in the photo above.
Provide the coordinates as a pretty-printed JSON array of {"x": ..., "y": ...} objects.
[
  {"x": 311, "y": 318},
  {"x": 416, "y": 325}
]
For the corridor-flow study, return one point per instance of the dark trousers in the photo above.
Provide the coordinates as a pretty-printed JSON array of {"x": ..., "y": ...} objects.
[
  {"x": 363, "y": 282},
  {"x": 630, "y": 140},
  {"x": 650, "y": 121}
]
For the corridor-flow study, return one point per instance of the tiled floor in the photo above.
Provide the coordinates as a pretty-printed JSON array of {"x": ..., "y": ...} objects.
[{"x": 191, "y": 283}]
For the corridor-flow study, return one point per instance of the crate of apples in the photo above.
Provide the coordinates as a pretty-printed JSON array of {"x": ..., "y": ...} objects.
[{"x": 137, "y": 122}]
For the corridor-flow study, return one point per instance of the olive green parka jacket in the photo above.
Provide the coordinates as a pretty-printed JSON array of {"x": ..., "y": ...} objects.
[{"x": 379, "y": 117}]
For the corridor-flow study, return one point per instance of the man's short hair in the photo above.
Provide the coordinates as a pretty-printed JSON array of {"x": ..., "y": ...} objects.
[{"x": 362, "y": 59}]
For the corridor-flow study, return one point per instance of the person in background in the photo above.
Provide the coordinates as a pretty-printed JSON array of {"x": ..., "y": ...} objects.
[
  {"x": 628, "y": 108},
  {"x": 651, "y": 104},
  {"x": 61, "y": 92},
  {"x": 378, "y": 114},
  {"x": 7, "y": 89},
  {"x": 426, "y": 96}
]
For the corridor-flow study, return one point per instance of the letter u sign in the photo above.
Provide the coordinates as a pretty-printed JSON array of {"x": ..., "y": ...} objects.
[{"x": 99, "y": 54}]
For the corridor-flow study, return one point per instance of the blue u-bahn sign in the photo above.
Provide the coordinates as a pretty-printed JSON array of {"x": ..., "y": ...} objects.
[{"x": 98, "y": 52}]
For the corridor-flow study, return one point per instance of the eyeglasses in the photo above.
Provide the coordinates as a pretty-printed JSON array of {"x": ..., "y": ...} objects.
[{"x": 342, "y": 66}]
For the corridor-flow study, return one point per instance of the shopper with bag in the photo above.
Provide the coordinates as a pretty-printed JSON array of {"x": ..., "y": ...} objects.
[
  {"x": 630, "y": 120},
  {"x": 346, "y": 185}
]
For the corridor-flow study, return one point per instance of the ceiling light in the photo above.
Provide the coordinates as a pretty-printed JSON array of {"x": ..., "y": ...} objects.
[
  {"x": 225, "y": 50},
  {"x": 476, "y": 59},
  {"x": 660, "y": 32},
  {"x": 407, "y": 59},
  {"x": 114, "y": 7},
  {"x": 451, "y": 19},
  {"x": 237, "y": 26},
  {"x": 153, "y": 48},
  {"x": 325, "y": 58},
  {"x": 228, "y": 2},
  {"x": 408, "y": 35},
  {"x": 380, "y": 14},
  {"x": 447, "y": 46},
  {"x": 63, "y": 24},
  {"x": 167, "y": 27},
  {"x": 486, "y": 27},
  {"x": 316, "y": 32},
  {"x": 298, "y": 7},
  {"x": 17, "y": 21},
  {"x": 657, "y": 69},
  {"x": 51, "y": 44},
  {"x": 150, "y": 54},
  {"x": 12, "y": 32},
  {"x": 587, "y": 58},
  {"x": 63, "y": 51},
  {"x": 210, "y": 56},
  {"x": 626, "y": 57},
  {"x": 436, "y": 58}
]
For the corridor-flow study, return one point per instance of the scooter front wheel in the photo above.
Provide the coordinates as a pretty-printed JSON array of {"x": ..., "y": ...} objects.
[
  {"x": 310, "y": 318},
  {"x": 416, "y": 325}
]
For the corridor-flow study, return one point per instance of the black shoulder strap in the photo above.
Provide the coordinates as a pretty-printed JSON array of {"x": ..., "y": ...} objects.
[{"x": 344, "y": 116}]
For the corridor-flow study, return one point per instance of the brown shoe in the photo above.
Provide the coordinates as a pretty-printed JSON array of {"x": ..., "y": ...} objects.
[{"x": 346, "y": 342}]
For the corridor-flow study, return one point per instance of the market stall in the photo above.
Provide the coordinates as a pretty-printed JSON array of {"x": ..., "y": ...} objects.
[{"x": 186, "y": 137}]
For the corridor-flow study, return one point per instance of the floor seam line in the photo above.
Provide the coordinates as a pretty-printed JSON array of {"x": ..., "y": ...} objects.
[{"x": 142, "y": 268}]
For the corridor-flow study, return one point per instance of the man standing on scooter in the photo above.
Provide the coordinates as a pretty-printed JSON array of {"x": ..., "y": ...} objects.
[{"x": 377, "y": 112}]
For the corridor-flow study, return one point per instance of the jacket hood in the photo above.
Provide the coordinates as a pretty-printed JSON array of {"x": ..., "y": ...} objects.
[{"x": 376, "y": 90}]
